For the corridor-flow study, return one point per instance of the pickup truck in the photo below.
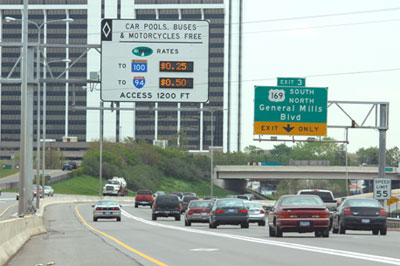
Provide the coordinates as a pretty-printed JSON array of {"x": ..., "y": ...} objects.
[
  {"x": 144, "y": 197},
  {"x": 327, "y": 198}
]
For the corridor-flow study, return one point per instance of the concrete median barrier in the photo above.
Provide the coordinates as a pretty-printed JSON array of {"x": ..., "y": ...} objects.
[{"x": 15, "y": 232}]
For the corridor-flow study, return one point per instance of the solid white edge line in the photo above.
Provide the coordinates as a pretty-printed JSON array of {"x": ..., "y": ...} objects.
[{"x": 334, "y": 252}]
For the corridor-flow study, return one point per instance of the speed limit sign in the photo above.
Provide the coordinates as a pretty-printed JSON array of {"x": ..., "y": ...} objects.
[{"x": 382, "y": 188}]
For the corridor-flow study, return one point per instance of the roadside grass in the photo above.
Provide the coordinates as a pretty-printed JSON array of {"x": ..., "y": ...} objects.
[
  {"x": 80, "y": 185},
  {"x": 8, "y": 172},
  {"x": 88, "y": 185},
  {"x": 201, "y": 188}
]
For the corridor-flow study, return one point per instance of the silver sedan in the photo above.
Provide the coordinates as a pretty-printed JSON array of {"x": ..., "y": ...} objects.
[
  {"x": 107, "y": 209},
  {"x": 256, "y": 212}
]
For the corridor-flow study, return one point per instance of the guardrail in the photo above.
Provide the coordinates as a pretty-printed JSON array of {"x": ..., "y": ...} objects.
[{"x": 393, "y": 223}]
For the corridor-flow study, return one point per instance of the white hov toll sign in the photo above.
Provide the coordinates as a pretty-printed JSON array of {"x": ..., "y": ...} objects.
[
  {"x": 382, "y": 188},
  {"x": 154, "y": 60}
]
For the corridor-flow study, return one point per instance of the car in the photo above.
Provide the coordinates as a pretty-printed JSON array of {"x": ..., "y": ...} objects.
[
  {"x": 166, "y": 206},
  {"x": 230, "y": 196},
  {"x": 243, "y": 197},
  {"x": 229, "y": 211},
  {"x": 189, "y": 194},
  {"x": 256, "y": 212},
  {"x": 144, "y": 197},
  {"x": 185, "y": 201},
  {"x": 209, "y": 197},
  {"x": 34, "y": 190},
  {"x": 198, "y": 211},
  {"x": 48, "y": 191},
  {"x": 157, "y": 193},
  {"x": 106, "y": 209},
  {"x": 73, "y": 164},
  {"x": 67, "y": 166},
  {"x": 179, "y": 194},
  {"x": 299, "y": 213},
  {"x": 250, "y": 196},
  {"x": 360, "y": 214}
]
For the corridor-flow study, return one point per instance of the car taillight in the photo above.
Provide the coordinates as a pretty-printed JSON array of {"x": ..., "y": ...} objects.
[
  {"x": 190, "y": 212},
  {"x": 151, "y": 198},
  {"x": 99, "y": 209},
  {"x": 180, "y": 206},
  {"x": 382, "y": 212},
  {"x": 115, "y": 208},
  {"x": 242, "y": 211},
  {"x": 262, "y": 211},
  {"x": 155, "y": 206},
  {"x": 347, "y": 211},
  {"x": 219, "y": 211}
]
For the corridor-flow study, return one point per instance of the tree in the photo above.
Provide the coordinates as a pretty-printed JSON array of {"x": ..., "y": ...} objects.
[
  {"x": 393, "y": 156},
  {"x": 369, "y": 156},
  {"x": 281, "y": 153},
  {"x": 316, "y": 151}
]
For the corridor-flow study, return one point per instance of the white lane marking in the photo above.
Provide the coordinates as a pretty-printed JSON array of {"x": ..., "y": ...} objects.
[
  {"x": 329, "y": 251},
  {"x": 204, "y": 249},
  {"x": 7, "y": 199}
]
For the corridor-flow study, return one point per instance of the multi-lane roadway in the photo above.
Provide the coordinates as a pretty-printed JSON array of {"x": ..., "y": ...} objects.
[{"x": 73, "y": 238}]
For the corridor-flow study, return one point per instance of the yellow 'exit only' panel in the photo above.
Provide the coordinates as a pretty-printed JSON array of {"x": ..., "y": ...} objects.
[{"x": 290, "y": 128}]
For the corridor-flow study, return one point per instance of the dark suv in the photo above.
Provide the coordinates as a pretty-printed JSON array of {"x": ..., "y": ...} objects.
[
  {"x": 67, "y": 166},
  {"x": 166, "y": 206}
]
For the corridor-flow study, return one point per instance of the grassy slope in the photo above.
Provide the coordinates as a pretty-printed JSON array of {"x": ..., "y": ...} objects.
[
  {"x": 87, "y": 185},
  {"x": 7, "y": 172}
]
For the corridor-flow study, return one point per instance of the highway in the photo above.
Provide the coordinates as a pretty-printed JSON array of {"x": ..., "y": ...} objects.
[{"x": 73, "y": 238}]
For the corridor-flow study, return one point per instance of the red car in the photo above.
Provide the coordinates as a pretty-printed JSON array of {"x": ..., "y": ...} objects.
[
  {"x": 299, "y": 213},
  {"x": 145, "y": 198},
  {"x": 198, "y": 211}
]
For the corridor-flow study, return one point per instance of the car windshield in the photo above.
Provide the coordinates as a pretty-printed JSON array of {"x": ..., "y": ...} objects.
[
  {"x": 363, "y": 203},
  {"x": 253, "y": 205},
  {"x": 113, "y": 182},
  {"x": 107, "y": 202},
  {"x": 230, "y": 203},
  {"x": 302, "y": 201}
]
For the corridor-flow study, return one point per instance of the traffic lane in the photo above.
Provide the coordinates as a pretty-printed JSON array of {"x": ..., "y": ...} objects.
[
  {"x": 355, "y": 242},
  {"x": 224, "y": 248},
  {"x": 8, "y": 206},
  {"x": 67, "y": 242}
]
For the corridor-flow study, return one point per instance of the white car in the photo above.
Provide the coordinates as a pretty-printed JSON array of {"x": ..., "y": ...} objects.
[{"x": 48, "y": 191}]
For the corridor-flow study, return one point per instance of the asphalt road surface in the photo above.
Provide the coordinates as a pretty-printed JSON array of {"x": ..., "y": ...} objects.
[{"x": 74, "y": 239}]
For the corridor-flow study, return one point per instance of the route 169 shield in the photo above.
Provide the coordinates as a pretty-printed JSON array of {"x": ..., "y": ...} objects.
[{"x": 139, "y": 82}]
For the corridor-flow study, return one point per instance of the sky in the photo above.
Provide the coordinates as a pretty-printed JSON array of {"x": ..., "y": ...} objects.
[{"x": 356, "y": 55}]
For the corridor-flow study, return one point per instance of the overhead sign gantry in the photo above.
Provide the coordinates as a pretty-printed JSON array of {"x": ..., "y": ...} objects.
[{"x": 154, "y": 60}]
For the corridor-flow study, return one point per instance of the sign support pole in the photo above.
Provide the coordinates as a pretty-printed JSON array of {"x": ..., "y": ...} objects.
[{"x": 382, "y": 143}]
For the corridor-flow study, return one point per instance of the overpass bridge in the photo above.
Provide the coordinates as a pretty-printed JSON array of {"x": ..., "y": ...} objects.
[{"x": 236, "y": 176}]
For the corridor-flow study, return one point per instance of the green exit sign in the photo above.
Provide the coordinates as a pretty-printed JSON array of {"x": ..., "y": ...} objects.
[{"x": 292, "y": 82}]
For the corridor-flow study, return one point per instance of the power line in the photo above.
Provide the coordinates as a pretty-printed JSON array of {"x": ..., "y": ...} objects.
[{"x": 325, "y": 15}]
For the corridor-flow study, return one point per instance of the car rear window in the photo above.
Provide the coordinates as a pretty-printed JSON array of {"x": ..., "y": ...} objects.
[
  {"x": 144, "y": 192},
  {"x": 230, "y": 203},
  {"x": 364, "y": 203},
  {"x": 325, "y": 196},
  {"x": 167, "y": 200},
  {"x": 107, "y": 202},
  {"x": 302, "y": 201},
  {"x": 253, "y": 205},
  {"x": 201, "y": 204},
  {"x": 189, "y": 198}
]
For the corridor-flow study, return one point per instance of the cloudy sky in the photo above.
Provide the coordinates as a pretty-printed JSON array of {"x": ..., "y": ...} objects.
[{"x": 351, "y": 47}]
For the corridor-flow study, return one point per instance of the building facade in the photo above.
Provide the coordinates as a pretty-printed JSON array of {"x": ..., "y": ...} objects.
[{"x": 195, "y": 128}]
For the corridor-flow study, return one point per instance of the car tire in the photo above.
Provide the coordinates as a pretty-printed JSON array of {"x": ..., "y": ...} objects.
[
  {"x": 278, "y": 232},
  {"x": 383, "y": 231},
  {"x": 136, "y": 205},
  {"x": 342, "y": 229},
  {"x": 261, "y": 223},
  {"x": 154, "y": 217},
  {"x": 271, "y": 231},
  {"x": 335, "y": 230},
  {"x": 94, "y": 219},
  {"x": 244, "y": 225},
  {"x": 187, "y": 223},
  {"x": 325, "y": 233},
  {"x": 118, "y": 219},
  {"x": 151, "y": 206},
  {"x": 375, "y": 231},
  {"x": 177, "y": 218},
  {"x": 318, "y": 233}
]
